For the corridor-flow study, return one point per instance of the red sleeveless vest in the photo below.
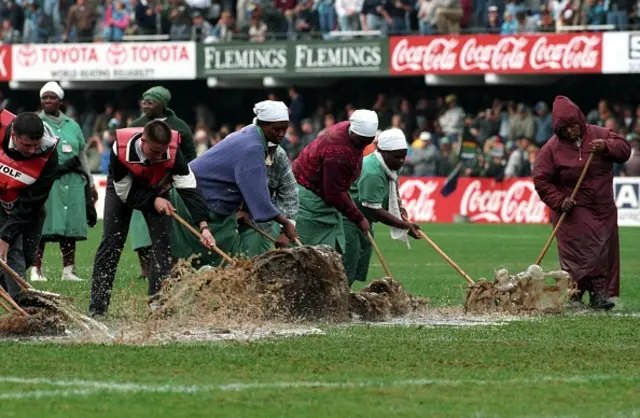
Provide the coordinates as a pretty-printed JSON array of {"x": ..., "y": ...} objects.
[
  {"x": 16, "y": 175},
  {"x": 156, "y": 175}
]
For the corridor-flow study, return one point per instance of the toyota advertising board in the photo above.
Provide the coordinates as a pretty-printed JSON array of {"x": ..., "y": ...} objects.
[
  {"x": 5, "y": 63},
  {"x": 105, "y": 61}
]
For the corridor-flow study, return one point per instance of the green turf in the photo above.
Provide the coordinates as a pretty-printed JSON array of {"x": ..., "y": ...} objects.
[{"x": 578, "y": 366}]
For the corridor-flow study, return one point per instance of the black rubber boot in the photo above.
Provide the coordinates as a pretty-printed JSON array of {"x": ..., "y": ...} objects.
[
  {"x": 575, "y": 301},
  {"x": 598, "y": 295}
]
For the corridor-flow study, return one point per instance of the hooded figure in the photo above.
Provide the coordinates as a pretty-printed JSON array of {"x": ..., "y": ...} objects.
[{"x": 588, "y": 244}]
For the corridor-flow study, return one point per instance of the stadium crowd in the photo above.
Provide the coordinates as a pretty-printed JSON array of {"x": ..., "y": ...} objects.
[
  {"x": 507, "y": 135},
  {"x": 38, "y": 21}
]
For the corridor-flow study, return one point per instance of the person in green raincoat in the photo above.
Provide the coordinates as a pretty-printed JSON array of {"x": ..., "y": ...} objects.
[
  {"x": 376, "y": 194},
  {"x": 154, "y": 106},
  {"x": 233, "y": 174},
  {"x": 284, "y": 195},
  {"x": 325, "y": 170},
  {"x": 66, "y": 207}
]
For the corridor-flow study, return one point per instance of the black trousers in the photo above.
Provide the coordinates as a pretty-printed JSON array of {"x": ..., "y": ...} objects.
[
  {"x": 22, "y": 250},
  {"x": 117, "y": 216}
]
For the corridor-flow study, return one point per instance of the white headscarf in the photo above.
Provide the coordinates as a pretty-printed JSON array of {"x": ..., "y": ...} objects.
[
  {"x": 53, "y": 87},
  {"x": 271, "y": 111},
  {"x": 393, "y": 140},
  {"x": 364, "y": 123}
]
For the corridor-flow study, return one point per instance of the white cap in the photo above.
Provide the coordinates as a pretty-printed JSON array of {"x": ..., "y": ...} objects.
[
  {"x": 271, "y": 111},
  {"x": 364, "y": 123},
  {"x": 425, "y": 136},
  {"x": 392, "y": 140},
  {"x": 53, "y": 87}
]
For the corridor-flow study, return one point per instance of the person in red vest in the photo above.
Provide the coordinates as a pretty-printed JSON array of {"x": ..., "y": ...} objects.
[
  {"x": 28, "y": 163},
  {"x": 145, "y": 163}
]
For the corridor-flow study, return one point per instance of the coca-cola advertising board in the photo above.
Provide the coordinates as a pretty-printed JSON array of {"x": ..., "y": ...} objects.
[
  {"x": 105, "y": 61},
  {"x": 495, "y": 54},
  {"x": 481, "y": 200}
]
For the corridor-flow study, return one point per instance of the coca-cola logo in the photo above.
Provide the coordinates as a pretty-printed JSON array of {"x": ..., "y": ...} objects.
[
  {"x": 579, "y": 53},
  {"x": 496, "y": 54},
  {"x": 416, "y": 196},
  {"x": 519, "y": 203}
]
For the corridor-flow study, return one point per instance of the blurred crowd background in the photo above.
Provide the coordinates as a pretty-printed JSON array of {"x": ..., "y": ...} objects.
[
  {"x": 37, "y": 21},
  {"x": 508, "y": 133}
]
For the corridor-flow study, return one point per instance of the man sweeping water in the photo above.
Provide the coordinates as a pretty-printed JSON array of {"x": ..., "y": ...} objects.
[
  {"x": 29, "y": 161},
  {"x": 145, "y": 164},
  {"x": 232, "y": 174},
  {"x": 325, "y": 170},
  {"x": 155, "y": 106},
  {"x": 588, "y": 243},
  {"x": 376, "y": 194}
]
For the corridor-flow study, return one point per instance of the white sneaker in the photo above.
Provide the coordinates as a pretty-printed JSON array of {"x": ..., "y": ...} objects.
[
  {"x": 36, "y": 275},
  {"x": 67, "y": 274}
]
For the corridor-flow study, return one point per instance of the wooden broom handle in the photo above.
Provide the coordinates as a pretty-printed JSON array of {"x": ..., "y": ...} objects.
[
  {"x": 4, "y": 295},
  {"x": 197, "y": 234},
  {"x": 564, "y": 214},
  {"x": 446, "y": 257},
  {"x": 379, "y": 254},
  {"x": 267, "y": 236}
]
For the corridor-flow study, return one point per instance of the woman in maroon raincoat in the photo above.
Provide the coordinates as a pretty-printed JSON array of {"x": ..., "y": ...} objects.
[{"x": 588, "y": 243}]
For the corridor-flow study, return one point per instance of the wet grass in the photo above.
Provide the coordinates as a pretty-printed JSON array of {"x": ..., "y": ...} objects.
[{"x": 579, "y": 366}]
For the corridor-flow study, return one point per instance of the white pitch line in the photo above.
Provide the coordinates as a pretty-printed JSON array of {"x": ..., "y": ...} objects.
[{"x": 89, "y": 387}]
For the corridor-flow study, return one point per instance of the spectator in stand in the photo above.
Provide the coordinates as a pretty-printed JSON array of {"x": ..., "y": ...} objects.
[
  {"x": 626, "y": 120},
  {"x": 38, "y": 27},
  {"x": 200, "y": 6},
  {"x": 201, "y": 141},
  {"x": 424, "y": 157},
  {"x": 448, "y": 158},
  {"x": 493, "y": 25},
  {"x": 257, "y": 28},
  {"x": 427, "y": 16},
  {"x": 593, "y": 13},
  {"x": 618, "y": 13},
  {"x": 326, "y": 14},
  {"x": 525, "y": 24},
  {"x": 374, "y": 16},
  {"x": 487, "y": 124},
  {"x": 51, "y": 9},
  {"x": 180, "y": 19},
  {"x": 348, "y": 12},
  {"x": 449, "y": 16},
  {"x": 452, "y": 119},
  {"x": 294, "y": 144},
  {"x": 400, "y": 11},
  {"x": 148, "y": 20},
  {"x": 201, "y": 30},
  {"x": 81, "y": 22},
  {"x": 13, "y": 22},
  {"x": 545, "y": 21},
  {"x": 600, "y": 115},
  {"x": 305, "y": 19},
  {"x": 225, "y": 28},
  {"x": 296, "y": 108},
  {"x": 518, "y": 164},
  {"x": 521, "y": 124},
  {"x": 509, "y": 26},
  {"x": 288, "y": 10},
  {"x": 308, "y": 133},
  {"x": 544, "y": 123},
  {"x": 116, "y": 21}
]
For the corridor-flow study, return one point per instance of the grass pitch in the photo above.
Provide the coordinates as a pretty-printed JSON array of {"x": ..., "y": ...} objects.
[{"x": 570, "y": 365}]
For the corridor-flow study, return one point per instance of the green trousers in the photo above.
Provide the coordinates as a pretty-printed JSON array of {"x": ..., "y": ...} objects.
[
  {"x": 252, "y": 243},
  {"x": 224, "y": 230},
  {"x": 318, "y": 223},
  {"x": 357, "y": 255}
]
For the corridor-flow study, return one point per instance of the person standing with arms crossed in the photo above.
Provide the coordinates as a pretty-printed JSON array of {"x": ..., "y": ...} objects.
[
  {"x": 66, "y": 209},
  {"x": 154, "y": 106}
]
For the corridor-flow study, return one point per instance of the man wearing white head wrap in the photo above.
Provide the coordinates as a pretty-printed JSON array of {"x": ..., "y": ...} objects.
[
  {"x": 70, "y": 206},
  {"x": 325, "y": 170},
  {"x": 376, "y": 194}
]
